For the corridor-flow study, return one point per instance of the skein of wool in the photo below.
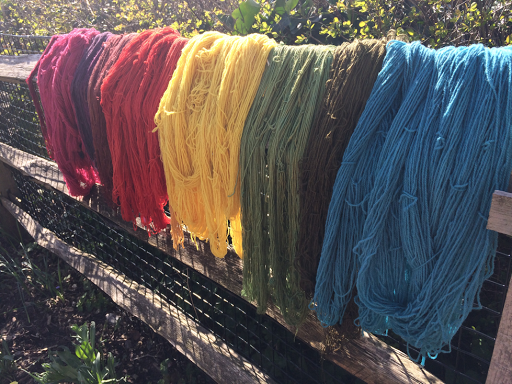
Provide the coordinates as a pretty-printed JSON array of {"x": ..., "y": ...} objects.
[
  {"x": 130, "y": 95},
  {"x": 79, "y": 90},
  {"x": 31, "y": 80},
  {"x": 273, "y": 143},
  {"x": 103, "y": 161},
  {"x": 355, "y": 67},
  {"x": 415, "y": 186},
  {"x": 200, "y": 122},
  {"x": 55, "y": 71}
]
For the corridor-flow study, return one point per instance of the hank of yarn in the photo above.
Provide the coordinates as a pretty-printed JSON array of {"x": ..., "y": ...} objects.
[
  {"x": 200, "y": 122},
  {"x": 79, "y": 90},
  {"x": 415, "y": 184},
  {"x": 355, "y": 67},
  {"x": 273, "y": 143},
  {"x": 140, "y": 75},
  {"x": 56, "y": 69},
  {"x": 32, "y": 82},
  {"x": 112, "y": 49}
]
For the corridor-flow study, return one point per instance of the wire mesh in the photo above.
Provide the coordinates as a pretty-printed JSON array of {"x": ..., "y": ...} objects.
[
  {"x": 258, "y": 338},
  {"x": 19, "y": 124},
  {"x": 15, "y": 45}
]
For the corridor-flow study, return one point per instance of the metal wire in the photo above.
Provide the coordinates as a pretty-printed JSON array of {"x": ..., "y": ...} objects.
[
  {"x": 15, "y": 45},
  {"x": 19, "y": 124},
  {"x": 258, "y": 338}
]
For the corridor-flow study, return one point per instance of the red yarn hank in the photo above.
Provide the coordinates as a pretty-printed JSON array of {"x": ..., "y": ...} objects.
[
  {"x": 130, "y": 96},
  {"x": 55, "y": 74},
  {"x": 102, "y": 158}
]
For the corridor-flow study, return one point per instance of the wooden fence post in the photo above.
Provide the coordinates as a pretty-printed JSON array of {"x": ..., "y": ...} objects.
[
  {"x": 500, "y": 370},
  {"x": 8, "y": 187},
  {"x": 500, "y": 220}
]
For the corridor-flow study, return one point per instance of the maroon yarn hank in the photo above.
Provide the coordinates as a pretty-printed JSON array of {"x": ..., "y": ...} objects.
[
  {"x": 55, "y": 72},
  {"x": 102, "y": 158},
  {"x": 79, "y": 90},
  {"x": 141, "y": 76}
]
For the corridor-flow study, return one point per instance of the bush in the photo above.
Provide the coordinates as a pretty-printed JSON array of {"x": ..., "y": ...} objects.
[{"x": 436, "y": 23}]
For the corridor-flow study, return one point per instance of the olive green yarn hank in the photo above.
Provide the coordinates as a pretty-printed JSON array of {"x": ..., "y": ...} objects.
[
  {"x": 273, "y": 142},
  {"x": 354, "y": 70}
]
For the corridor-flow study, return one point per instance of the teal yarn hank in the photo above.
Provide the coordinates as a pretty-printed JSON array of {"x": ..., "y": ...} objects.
[{"x": 407, "y": 220}]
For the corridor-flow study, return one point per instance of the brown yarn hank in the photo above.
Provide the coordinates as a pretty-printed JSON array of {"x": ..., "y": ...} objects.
[
  {"x": 102, "y": 158},
  {"x": 354, "y": 70}
]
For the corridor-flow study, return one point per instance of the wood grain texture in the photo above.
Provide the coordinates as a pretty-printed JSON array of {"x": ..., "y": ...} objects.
[
  {"x": 367, "y": 357},
  {"x": 7, "y": 187},
  {"x": 210, "y": 354},
  {"x": 500, "y": 214},
  {"x": 15, "y": 69},
  {"x": 500, "y": 370}
]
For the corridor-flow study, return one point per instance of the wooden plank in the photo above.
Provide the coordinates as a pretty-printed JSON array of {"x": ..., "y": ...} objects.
[
  {"x": 41, "y": 169},
  {"x": 500, "y": 214},
  {"x": 7, "y": 187},
  {"x": 500, "y": 370},
  {"x": 367, "y": 357},
  {"x": 210, "y": 354},
  {"x": 15, "y": 69}
]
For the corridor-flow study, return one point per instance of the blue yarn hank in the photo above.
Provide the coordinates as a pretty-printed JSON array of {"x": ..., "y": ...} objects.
[{"x": 407, "y": 220}]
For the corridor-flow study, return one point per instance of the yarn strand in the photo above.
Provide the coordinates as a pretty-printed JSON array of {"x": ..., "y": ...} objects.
[
  {"x": 354, "y": 70},
  {"x": 140, "y": 75},
  {"x": 200, "y": 122},
  {"x": 273, "y": 142},
  {"x": 55, "y": 73},
  {"x": 416, "y": 183},
  {"x": 102, "y": 157}
]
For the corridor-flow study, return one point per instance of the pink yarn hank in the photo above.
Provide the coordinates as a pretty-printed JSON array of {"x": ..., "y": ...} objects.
[{"x": 56, "y": 69}]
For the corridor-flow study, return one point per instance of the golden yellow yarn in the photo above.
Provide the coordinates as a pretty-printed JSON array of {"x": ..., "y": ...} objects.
[{"x": 200, "y": 121}]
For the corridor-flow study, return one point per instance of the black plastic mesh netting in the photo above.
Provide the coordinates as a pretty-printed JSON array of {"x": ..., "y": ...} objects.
[
  {"x": 260, "y": 339},
  {"x": 19, "y": 124}
]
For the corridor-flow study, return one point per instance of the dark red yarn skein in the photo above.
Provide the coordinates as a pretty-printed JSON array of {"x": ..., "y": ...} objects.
[
  {"x": 79, "y": 90},
  {"x": 102, "y": 158},
  {"x": 55, "y": 72},
  {"x": 130, "y": 96}
]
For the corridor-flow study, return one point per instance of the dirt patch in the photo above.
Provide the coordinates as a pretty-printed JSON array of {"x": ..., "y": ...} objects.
[{"x": 41, "y": 297}]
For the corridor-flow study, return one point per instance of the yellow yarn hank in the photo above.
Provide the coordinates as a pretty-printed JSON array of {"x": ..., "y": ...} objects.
[{"x": 200, "y": 122}]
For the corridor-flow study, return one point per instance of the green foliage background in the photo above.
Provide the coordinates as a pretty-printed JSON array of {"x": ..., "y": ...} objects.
[{"x": 436, "y": 23}]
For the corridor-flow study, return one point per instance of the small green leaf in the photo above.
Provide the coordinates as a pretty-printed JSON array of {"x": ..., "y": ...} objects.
[
  {"x": 244, "y": 16},
  {"x": 85, "y": 352}
]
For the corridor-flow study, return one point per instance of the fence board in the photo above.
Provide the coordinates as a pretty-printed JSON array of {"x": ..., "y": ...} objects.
[{"x": 15, "y": 69}]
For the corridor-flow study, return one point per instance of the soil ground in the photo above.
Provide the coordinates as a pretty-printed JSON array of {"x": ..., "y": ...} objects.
[{"x": 42, "y": 297}]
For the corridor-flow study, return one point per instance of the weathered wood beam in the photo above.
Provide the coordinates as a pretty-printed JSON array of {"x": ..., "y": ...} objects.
[
  {"x": 15, "y": 69},
  {"x": 367, "y": 357},
  {"x": 500, "y": 214},
  {"x": 500, "y": 370},
  {"x": 213, "y": 356}
]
